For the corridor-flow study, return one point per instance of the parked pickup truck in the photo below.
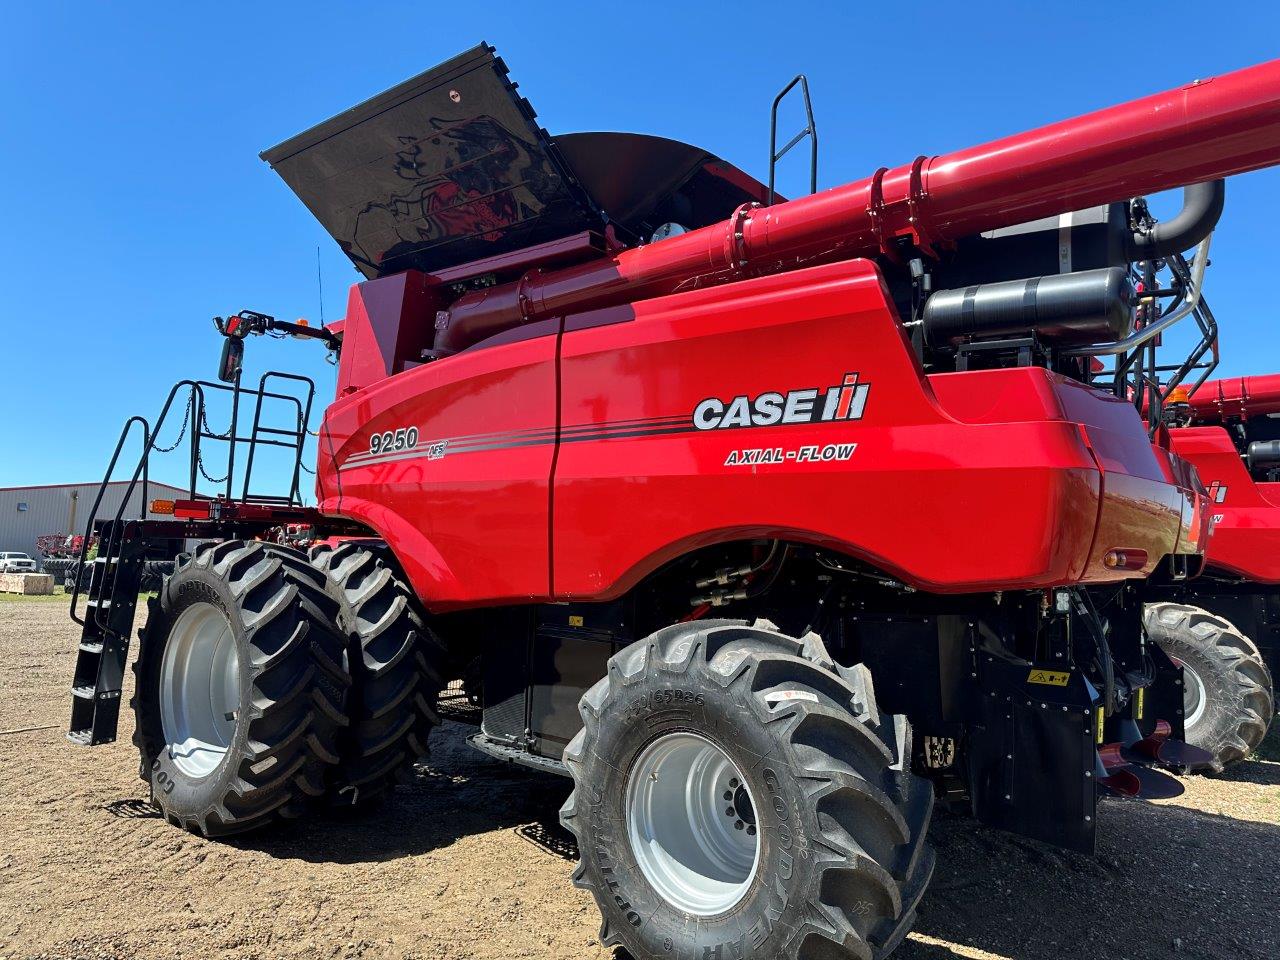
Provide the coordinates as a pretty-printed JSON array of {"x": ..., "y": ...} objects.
[{"x": 16, "y": 563}]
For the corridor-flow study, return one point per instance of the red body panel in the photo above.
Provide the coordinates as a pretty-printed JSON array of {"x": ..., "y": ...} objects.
[
  {"x": 466, "y": 528},
  {"x": 960, "y": 482},
  {"x": 1246, "y": 514}
]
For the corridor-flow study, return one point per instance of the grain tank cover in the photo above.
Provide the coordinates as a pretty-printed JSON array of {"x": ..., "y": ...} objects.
[
  {"x": 451, "y": 166},
  {"x": 446, "y": 167}
]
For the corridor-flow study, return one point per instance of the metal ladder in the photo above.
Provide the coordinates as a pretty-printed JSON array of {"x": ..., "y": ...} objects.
[{"x": 115, "y": 575}]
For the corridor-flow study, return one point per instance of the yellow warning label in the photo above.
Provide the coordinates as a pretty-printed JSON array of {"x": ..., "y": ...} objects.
[
  {"x": 575, "y": 621},
  {"x": 1049, "y": 678},
  {"x": 1140, "y": 707},
  {"x": 1101, "y": 724}
]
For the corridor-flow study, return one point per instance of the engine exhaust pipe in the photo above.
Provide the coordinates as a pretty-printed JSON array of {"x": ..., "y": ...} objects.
[{"x": 1201, "y": 209}]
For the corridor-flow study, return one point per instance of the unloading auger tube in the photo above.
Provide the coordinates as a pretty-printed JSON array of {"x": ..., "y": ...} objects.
[{"x": 1202, "y": 131}]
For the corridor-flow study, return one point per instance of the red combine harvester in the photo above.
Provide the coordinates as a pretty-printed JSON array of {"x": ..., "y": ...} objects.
[
  {"x": 1224, "y": 627},
  {"x": 765, "y": 521}
]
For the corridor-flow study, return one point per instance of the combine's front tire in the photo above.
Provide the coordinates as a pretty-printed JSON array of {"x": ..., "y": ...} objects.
[
  {"x": 396, "y": 666},
  {"x": 1228, "y": 696},
  {"x": 241, "y": 684},
  {"x": 735, "y": 794}
]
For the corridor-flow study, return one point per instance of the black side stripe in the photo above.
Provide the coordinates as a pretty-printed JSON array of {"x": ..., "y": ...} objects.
[
  {"x": 491, "y": 441},
  {"x": 615, "y": 430}
]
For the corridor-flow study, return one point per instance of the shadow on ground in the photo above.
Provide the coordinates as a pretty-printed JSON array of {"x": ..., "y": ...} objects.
[{"x": 455, "y": 793}]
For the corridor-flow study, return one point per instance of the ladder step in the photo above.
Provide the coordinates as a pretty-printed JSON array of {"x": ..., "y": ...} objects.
[
  {"x": 91, "y": 647},
  {"x": 99, "y": 602},
  {"x": 81, "y": 737},
  {"x": 84, "y": 691}
]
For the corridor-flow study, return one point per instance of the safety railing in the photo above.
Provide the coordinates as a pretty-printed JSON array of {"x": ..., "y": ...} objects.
[{"x": 291, "y": 436}]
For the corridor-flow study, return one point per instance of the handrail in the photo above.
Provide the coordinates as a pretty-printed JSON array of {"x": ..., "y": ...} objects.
[
  {"x": 1139, "y": 337},
  {"x": 1208, "y": 339},
  {"x": 811, "y": 131},
  {"x": 303, "y": 417},
  {"x": 97, "y": 502},
  {"x": 195, "y": 404}
]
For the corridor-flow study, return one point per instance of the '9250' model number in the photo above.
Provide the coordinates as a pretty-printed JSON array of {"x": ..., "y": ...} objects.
[{"x": 393, "y": 441}]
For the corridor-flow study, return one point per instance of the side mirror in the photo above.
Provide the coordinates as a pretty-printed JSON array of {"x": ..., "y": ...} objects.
[{"x": 232, "y": 360}]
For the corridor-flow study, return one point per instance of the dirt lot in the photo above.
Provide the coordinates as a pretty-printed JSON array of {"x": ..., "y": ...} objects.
[{"x": 463, "y": 864}]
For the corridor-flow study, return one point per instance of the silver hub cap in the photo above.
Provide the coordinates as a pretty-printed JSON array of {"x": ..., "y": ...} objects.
[
  {"x": 199, "y": 689},
  {"x": 692, "y": 824}
]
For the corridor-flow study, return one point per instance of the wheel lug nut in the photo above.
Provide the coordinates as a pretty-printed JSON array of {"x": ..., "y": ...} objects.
[
  {"x": 728, "y": 794},
  {"x": 733, "y": 782},
  {"x": 751, "y": 831},
  {"x": 739, "y": 825},
  {"x": 731, "y": 812}
]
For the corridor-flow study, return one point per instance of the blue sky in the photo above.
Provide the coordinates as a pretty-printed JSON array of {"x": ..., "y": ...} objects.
[{"x": 136, "y": 206}]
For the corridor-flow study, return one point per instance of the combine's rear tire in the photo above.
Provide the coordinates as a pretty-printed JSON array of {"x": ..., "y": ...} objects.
[
  {"x": 397, "y": 669},
  {"x": 241, "y": 685},
  {"x": 736, "y": 794},
  {"x": 1228, "y": 696}
]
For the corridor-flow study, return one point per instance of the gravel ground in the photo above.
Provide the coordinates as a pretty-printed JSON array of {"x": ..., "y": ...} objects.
[{"x": 469, "y": 861}]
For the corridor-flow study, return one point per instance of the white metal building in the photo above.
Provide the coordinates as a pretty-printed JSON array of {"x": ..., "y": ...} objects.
[{"x": 30, "y": 512}]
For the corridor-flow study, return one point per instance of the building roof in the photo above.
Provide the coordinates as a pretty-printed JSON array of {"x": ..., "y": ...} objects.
[{"x": 91, "y": 483}]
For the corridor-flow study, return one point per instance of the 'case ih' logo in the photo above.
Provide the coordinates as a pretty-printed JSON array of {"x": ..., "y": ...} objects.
[{"x": 845, "y": 401}]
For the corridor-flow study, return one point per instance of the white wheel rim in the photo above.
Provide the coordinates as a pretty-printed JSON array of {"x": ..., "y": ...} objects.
[
  {"x": 199, "y": 689},
  {"x": 1195, "y": 698},
  {"x": 692, "y": 824}
]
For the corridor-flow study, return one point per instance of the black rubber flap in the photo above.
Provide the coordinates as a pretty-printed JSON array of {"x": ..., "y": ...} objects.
[{"x": 445, "y": 168}]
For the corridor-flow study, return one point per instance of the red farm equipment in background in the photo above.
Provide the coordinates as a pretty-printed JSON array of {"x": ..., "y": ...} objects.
[
  {"x": 1224, "y": 627},
  {"x": 1220, "y": 628},
  {"x": 60, "y": 552},
  {"x": 767, "y": 522}
]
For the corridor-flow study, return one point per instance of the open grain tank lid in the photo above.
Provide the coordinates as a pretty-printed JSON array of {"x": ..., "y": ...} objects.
[{"x": 451, "y": 166}]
